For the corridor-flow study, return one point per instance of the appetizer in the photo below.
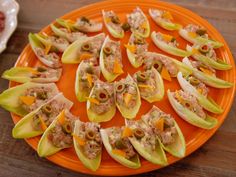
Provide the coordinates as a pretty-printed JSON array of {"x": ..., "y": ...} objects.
[
  {"x": 127, "y": 97},
  {"x": 168, "y": 67},
  {"x": 198, "y": 35},
  {"x": 166, "y": 130},
  {"x": 168, "y": 44},
  {"x": 82, "y": 24},
  {"x": 206, "y": 54},
  {"x": 67, "y": 33},
  {"x": 198, "y": 89},
  {"x": 50, "y": 59},
  {"x": 150, "y": 84},
  {"x": 39, "y": 74},
  {"x": 164, "y": 19},
  {"x": 27, "y": 97},
  {"x": 139, "y": 23},
  {"x": 83, "y": 49},
  {"x": 52, "y": 42},
  {"x": 37, "y": 121},
  {"x": 145, "y": 142},
  {"x": 111, "y": 59},
  {"x": 58, "y": 135},
  {"x": 113, "y": 24},
  {"x": 87, "y": 73},
  {"x": 206, "y": 74},
  {"x": 88, "y": 144},
  {"x": 101, "y": 104},
  {"x": 118, "y": 146},
  {"x": 135, "y": 49},
  {"x": 189, "y": 109}
]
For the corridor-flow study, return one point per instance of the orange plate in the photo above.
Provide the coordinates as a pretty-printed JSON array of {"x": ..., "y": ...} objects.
[{"x": 194, "y": 137}]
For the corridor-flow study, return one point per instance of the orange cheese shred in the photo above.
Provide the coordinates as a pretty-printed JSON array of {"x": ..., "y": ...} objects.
[
  {"x": 127, "y": 132},
  {"x": 167, "y": 37},
  {"x": 206, "y": 71},
  {"x": 43, "y": 124},
  {"x": 192, "y": 34},
  {"x": 119, "y": 152},
  {"x": 132, "y": 48},
  {"x": 160, "y": 124},
  {"x": 28, "y": 100},
  {"x": 93, "y": 100},
  {"x": 167, "y": 15},
  {"x": 90, "y": 79},
  {"x": 146, "y": 86},
  {"x": 79, "y": 140},
  {"x": 61, "y": 118},
  {"x": 117, "y": 67},
  {"x": 165, "y": 74},
  {"x": 85, "y": 56},
  {"x": 127, "y": 98}
]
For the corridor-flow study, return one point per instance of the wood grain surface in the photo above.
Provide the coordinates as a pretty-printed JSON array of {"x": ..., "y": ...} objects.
[{"x": 215, "y": 158}]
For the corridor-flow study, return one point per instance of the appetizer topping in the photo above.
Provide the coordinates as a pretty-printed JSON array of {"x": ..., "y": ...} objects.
[
  {"x": 35, "y": 97},
  {"x": 190, "y": 102},
  {"x": 170, "y": 40},
  {"x": 141, "y": 77},
  {"x": 87, "y": 75},
  {"x": 67, "y": 128},
  {"x": 125, "y": 26},
  {"x": 138, "y": 133},
  {"x": 90, "y": 135},
  {"x": 120, "y": 144},
  {"x": 144, "y": 134},
  {"x": 103, "y": 93},
  {"x": 47, "y": 109},
  {"x": 127, "y": 94},
  {"x": 84, "y": 19},
  {"x": 71, "y": 36},
  {"x": 113, "y": 21},
  {"x": 107, "y": 50},
  {"x": 158, "y": 65},
  {"x": 91, "y": 47},
  {"x": 195, "y": 30},
  {"x": 137, "y": 46},
  {"x": 86, "y": 47},
  {"x": 202, "y": 67},
  {"x": 41, "y": 69},
  {"x": 146, "y": 82},
  {"x": 137, "y": 21},
  {"x": 200, "y": 86},
  {"x": 204, "y": 49},
  {"x": 28, "y": 100},
  {"x": 60, "y": 135},
  {"x": 165, "y": 74},
  {"x": 127, "y": 132},
  {"x": 47, "y": 114},
  {"x": 159, "y": 62},
  {"x": 162, "y": 124},
  {"x": 201, "y": 31},
  {"x": 51, "y": 56},
  {"x": 89, "y": 139},
  {"x": 120, "y": 87},
  {"x": 112, "y": 57},
  {"x": 86, "y": 25}
]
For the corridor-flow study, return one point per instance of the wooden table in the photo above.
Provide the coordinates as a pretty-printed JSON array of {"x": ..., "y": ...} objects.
[{"x": 216, "y": 158}]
